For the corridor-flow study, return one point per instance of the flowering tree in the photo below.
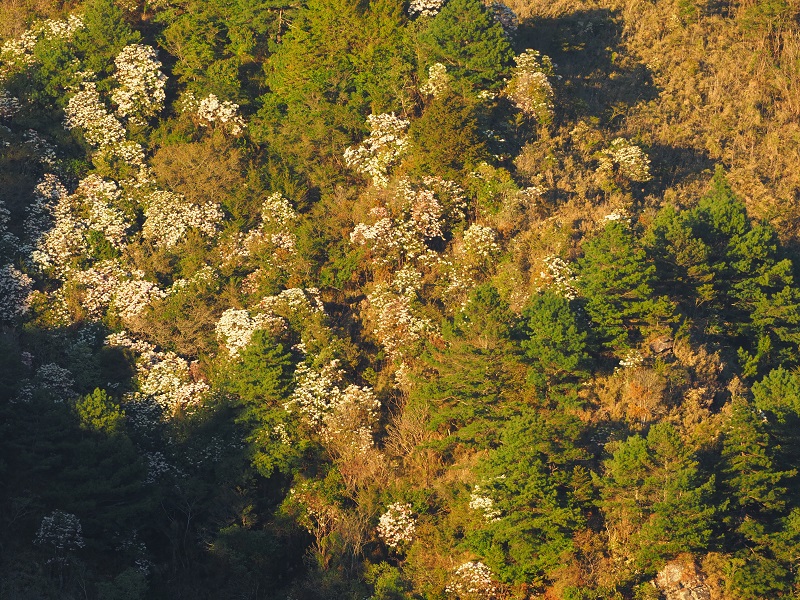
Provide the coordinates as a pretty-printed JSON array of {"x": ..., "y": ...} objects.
[
  {"x": 530, "y": 89},
  {"x": 213, "y": 112},
  {"x": 386, "y": 143},
  {"x": 141, "y": 83},
  {"x": 623, "y": 162},
  {"x": 62, "y": 534},
  {"x": 472, "y": 581},
  {"x": 397, "y": 525}
]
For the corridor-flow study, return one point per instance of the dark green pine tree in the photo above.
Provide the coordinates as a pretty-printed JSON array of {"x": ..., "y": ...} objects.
[
  {"x": 540, "y": 488},
  {"x": 756, "y": 499},
  {"x": 655, "y": 500},
  {"x": 730, "y": 276},
  {"x": 465, "y": 35},
  {"x": 472, "y": 383},
  {"x": 553, "y": 340},
  {"x": 616, "y": 280}
]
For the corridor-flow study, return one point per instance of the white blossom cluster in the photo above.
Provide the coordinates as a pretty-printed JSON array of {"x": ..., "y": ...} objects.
[
  {"x": 86, "y": 111},
  {"x": 438, "y": 81},
  {"x": 90, "y": 208},
  {"x": 472, "y": 580},
  {"x": 9, "y": 105},
  {"x": 470, "y": 258},
  {"x": 295, "y": 304},
  {"x": 424, "y": 213},
  {"x": 315, "y": 392},
  {"x": 46, "y": 195},
  {"x": 158, "y": 467},
  {"x": 61, "y": 531},
  {"x": 426, "y": 8},
  {"x": 480, "y": 242},
  {"x": 236, "y": 327},
  {"x": 18, "y": 52},
  {"x": 483, "y": 504},
  {"x": 56, "y": 381},
  {"x": 45, "y": 151},
  {"x": 141, "y": 83},
  {"x": 396, "y": 323},
  {"x": 617, "y": 215},
  {"x": 107, "y": 285},
  {"x": 529, "y": 87},
  {"x": 15, "y": 291},
  {"x": 344, "y": 418},
  {"x": 8, "y": 240},
  {"x": 397, "y": 525},
  {"x": 386, "y": 143},
  {"x": 351, "y": 419},
  {"x": 559, "y": 274},
  {"x": 631, "y": 360},
  {"x": 211, "y": 112},
  {"x": 506, "y": 17},
  {"x": 624, "y": 159},
  {"x": 277, "y": 218},
  {"x": 163, "y": 378},
  {"x": 168, "y": 216}
]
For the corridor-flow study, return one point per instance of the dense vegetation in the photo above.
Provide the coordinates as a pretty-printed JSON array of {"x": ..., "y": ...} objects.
[{"x": 332, "y": 299}]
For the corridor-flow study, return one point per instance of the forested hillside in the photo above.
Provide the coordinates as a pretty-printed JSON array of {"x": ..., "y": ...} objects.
[{"x": 386, "y": 300}]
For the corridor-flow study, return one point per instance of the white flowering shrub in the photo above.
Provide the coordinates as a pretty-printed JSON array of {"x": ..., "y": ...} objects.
[
  {"x": 484, "y": 505},
  {"x": 315, "y": 392},
  {"x": 397, "y": 323},
  {"x": 168, "y": 216},
  {"x": 60, "y": 532},
  {"x": 558, "y": 274},
  {"x": 623, "y": 160},
  {"x": 236, "y": 327},
  {"x": 44, "y": 150},
  {"x": 18, "y": 53},
  {"x": 386, "y": 143},
  {"x": 345, "y": 418},
  {"x": 274, "y": 233},
  {"x": 164, "y": 380},
  {"x": 211, "y": 112},
  {"x": 426, "y": 8},
  {"x": 631, "y": 360},
  {"x": 397, "y": 525},
  {"x": 92, "y": 208},
  {"x": 86, "y": 111},
  {"x": 506, "y": 17},
  {"x": 9, "y": 105},
  {"x": 15, "y": 290},
  {"x": 107, "y": 285},
  {"x": 472, "y": 581},
  {"x": 349, "y": 425},
  {"x": 141, "y": 83},
  {"x": 438, "y": 81},
  {"x": 529, "y": 87},
  {"x": 480, "y": 243},
  {"x": 297, "y": 305}
]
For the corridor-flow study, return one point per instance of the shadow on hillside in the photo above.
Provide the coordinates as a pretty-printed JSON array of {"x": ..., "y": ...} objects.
[
  {"x": 673, "y": 165},
  {"x": 598, "y": 78}
]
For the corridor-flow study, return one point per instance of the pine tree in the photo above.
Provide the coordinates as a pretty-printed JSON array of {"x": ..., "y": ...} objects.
[
  {"x": 655, "y": 501},
  {"x": 616, "y": 280}
]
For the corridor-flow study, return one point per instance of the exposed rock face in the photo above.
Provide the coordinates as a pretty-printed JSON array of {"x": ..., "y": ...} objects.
[
  {"x": 661, "y": 344},
  {"x": 682, "y": 580}
]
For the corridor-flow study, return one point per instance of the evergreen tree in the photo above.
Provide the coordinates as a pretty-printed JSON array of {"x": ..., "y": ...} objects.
[
  {"x": 730, "y": 275},
  {"x": 616, "y": 280},
  {"x": 465, "y": 35},
  {"x": 553, "y": 340},
  {"x": 539, "y": 489},
  {"x": 655, "y": 501}
]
